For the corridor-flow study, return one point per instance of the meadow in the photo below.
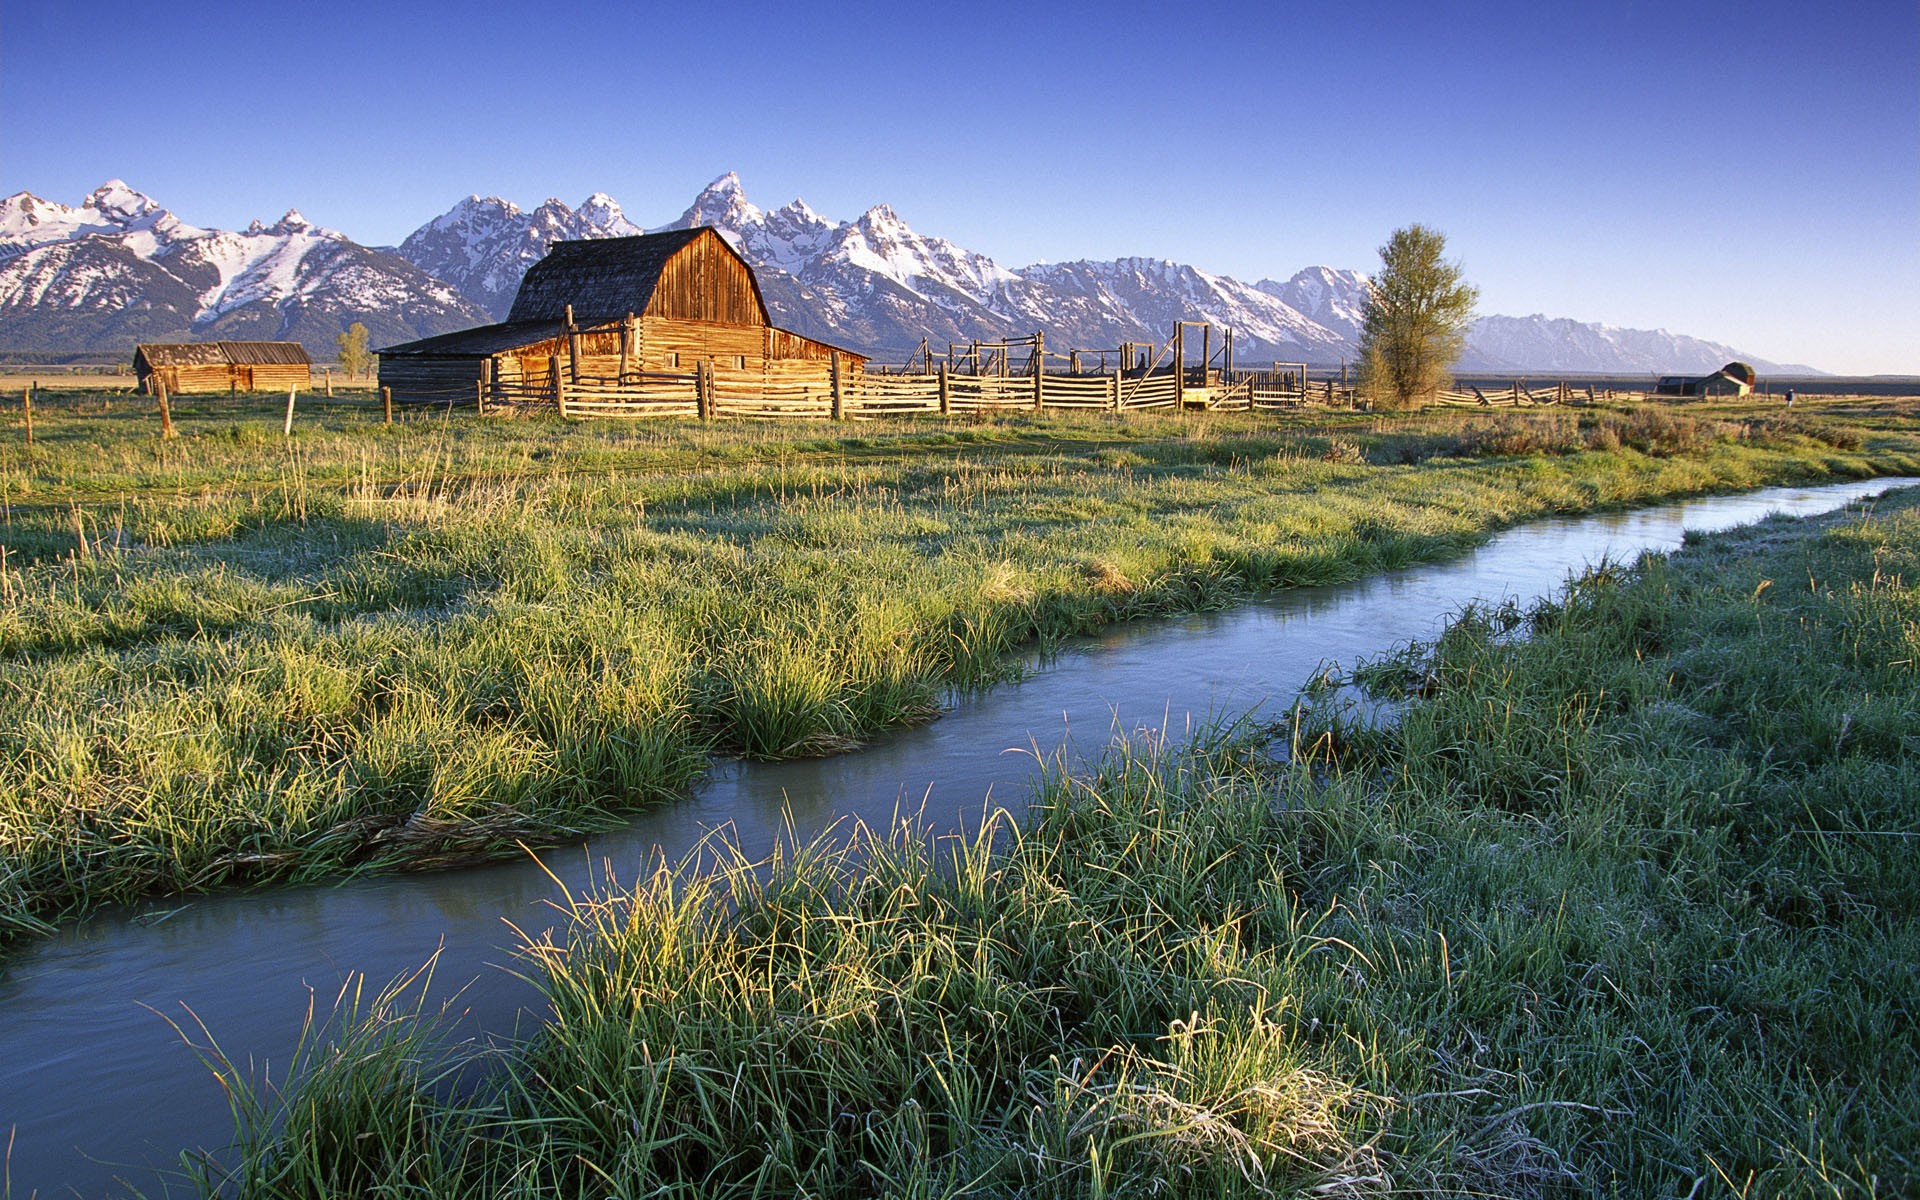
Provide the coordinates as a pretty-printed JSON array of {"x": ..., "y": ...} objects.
[
  {"x": 235, "y": 658},
  {"x": 1620, "y": 899}
]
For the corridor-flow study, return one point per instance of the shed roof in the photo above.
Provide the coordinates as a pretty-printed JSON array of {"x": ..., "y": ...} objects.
[
  {"x": 483, "y": 339},
  {"x": 606, "y": 278},
  {"x": 208, "y": 354}
]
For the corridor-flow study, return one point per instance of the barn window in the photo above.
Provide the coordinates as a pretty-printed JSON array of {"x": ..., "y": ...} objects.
[
  {"x": 673, "y": 358},
  {"x": 740, "y": 361}
]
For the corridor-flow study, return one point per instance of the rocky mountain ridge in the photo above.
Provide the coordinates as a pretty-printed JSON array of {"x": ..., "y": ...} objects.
[
  {"x": 876, "y": 284},
  {"x": 118, "y": 268}
]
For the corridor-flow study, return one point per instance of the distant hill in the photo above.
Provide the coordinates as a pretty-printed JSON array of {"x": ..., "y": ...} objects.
[{"x": 1539, "y": 343}]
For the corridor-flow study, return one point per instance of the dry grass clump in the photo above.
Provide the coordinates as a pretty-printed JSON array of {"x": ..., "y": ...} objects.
[
  {"x": 1108, "y": 578},
  {"x": 1655, "y": 430}
]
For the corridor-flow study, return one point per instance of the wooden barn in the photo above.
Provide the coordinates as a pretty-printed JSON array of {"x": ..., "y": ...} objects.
[
  {"x": 617, "y": 310},
  {"x": 223, "y": 366},
  {"x": 1734, "y": 379}
]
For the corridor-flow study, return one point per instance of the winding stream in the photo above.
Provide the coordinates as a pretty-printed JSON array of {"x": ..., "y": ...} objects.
[{"x": 96, "y": 1088}]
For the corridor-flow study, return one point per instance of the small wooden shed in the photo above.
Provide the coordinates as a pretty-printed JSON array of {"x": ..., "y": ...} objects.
[
  {"x": 223, "y": 366},
  {"x": 665, "y": 303},
  {"x": 1734, "y": 379}
]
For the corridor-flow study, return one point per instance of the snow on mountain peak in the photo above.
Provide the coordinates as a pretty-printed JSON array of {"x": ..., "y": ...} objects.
[
  {"x": 722, "y": 204},
  {"x": 474, "y": 210},
  {"x": 115, "y": 199},
  {"x": 27, "y": 220},
  {"x": 602, "y": 216},
  {"x": 112, "y": 209},
  {"x": 799, "y": 211},
  {"x": 1331, "y": 296},
  {"x": 881, "y": 220}
]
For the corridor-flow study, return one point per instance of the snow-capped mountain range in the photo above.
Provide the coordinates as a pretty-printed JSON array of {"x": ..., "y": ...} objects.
[
  {"x": 483, "y": 247},
  {"x": 119, "y": 268}
]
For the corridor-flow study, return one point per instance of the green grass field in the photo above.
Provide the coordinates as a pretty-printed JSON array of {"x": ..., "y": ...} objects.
[
  {"x": 232, "y": 658},
  {"x": 1623, "y": 902}
]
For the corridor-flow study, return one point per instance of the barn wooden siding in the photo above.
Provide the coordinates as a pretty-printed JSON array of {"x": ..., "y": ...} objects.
[
  {"x": 223, "y": 366},
  {"x": 515, "y": 362}
]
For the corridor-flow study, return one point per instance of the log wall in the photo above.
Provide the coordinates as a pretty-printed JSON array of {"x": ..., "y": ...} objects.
[
  {"x": 784, "y": 343},
  {"x": 210, "y": 377},
  {"x": 674, "y": 344},
  {"x": 272, "y": 377},
  {"x": 419, "y": 379}
]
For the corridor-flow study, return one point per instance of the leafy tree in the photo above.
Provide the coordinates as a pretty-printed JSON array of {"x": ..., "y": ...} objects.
[
  {"x": 1416, "y": 319},
  {"x": 355, "y": 358}
]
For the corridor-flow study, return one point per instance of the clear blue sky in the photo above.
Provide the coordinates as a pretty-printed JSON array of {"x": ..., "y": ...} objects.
[{"x": 1748, "y": 172}]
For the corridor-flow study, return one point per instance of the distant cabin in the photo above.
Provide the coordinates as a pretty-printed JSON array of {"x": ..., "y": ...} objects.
[
  {"x": 661, "y": 303},
  {"x": 223, "y": 366},
  {"x": 1734, "y": 379}
]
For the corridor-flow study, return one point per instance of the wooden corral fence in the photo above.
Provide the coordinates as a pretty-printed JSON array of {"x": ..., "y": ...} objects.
[
  {"x": 1008, "y": 375},
  {"x": 1518, "y": 395}
]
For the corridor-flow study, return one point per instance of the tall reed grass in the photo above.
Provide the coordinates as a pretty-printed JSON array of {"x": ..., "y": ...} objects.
[{"x": 1623, "y": 902}]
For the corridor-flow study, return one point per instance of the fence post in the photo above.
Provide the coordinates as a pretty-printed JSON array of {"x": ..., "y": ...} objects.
[
  {"x": 833, "y": 366},
  {"x": 559, "y": 386},
  {"x": 702, "y": 390},
  {"x": 573, "y": 349},
  {"x": 946, "y": 397},
  {"x": 386, "y": 405},
  {"x": 329, "y": 381},
  {"x": 1039, "y": 368},
  {"x": 288, "y": 428},
  {"x": 166, "y": 411},
  {"x": 1179, "y": 365},
  {"x": 26, "y": 402}
]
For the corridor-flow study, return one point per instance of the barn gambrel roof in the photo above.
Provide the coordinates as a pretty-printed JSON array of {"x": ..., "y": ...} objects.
[{"x": 606, "y": 278}]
